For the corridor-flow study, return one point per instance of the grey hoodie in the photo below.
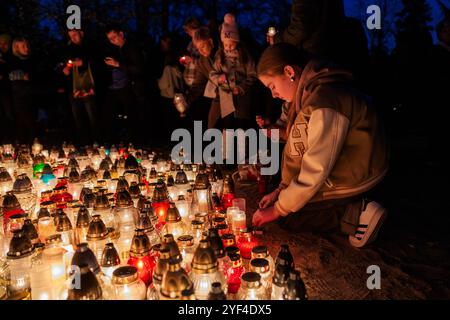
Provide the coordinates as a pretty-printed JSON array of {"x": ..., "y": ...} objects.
[{"x": 336, "y": 147}]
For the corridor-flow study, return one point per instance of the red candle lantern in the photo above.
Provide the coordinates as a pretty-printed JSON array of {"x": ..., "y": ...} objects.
[
  {"x": 46, "y": 196},
  {"x": 235, "y": 273},
  {"x": 141, "y": 257},
  {"x": 228, "y": 193},
  {"x": 11, "y": 207},
  {"x": 246, "y": 242},
  {"x": 228, "y": 240},
  {"x": 62, "y": 182},
  {"x": 223, "y": 229},
  {"x": 160, "y": 203},
  {"x": 60, "y": 197}
]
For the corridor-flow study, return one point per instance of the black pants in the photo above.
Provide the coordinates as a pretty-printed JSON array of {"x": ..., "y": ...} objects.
[
  {"x": 329, "y": 216},
  {"x": 84, "y": 112},
  {"x": 120, "y": 116},
  {"x": 337, "y": 215},
  {"x": 25, "y": 113},
  {"x": 7, "y": 128}
]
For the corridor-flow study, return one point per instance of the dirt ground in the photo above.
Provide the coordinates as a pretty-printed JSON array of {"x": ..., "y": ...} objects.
[{"x": 412, "y": 249}]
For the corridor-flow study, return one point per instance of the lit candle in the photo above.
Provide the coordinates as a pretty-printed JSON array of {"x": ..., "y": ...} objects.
[
  {"x": 272, "y": 31},
  {"x": 239, "y": 222},
  {"x": 46, "y": 228}
]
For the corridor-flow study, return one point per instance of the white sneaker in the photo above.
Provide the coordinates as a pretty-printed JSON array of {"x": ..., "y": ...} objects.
[{"x": 370, "y": 223}]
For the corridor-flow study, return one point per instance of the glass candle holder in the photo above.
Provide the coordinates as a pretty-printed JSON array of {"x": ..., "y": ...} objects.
[
  {"x": 205, "y": 271},
  {"x": 251, "y": 287},
  {"x": 97, "y": 236},
  {"x": 246, "y": 242},
  {"x": 279, "y": 279},
  {"x": 239, "y": 203},
  {"x": 239, "y": 222},
  {"x": 234, "y": 274},
  {"x": 197, "y": 230},
  {"x": 41, "y": 280},
  {"x": 46, "y": 228},
  {"x": 187, "y": 249},
  {"x": 141, "y": 257},
  {"x": 54, "y": 257},
  {"x": 230, "y": 213},
  {"x": 262, "y": 252},
  {"x": 183, "y": 208},
  {"x": 261, "y": 267},
  {"x": 110, "y": 260},
  {"x": 228, "y": 240},
  {"x": 127, "y": 285}
]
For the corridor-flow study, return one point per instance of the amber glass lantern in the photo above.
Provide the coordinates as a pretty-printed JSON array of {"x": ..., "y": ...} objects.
[
  {"x": 160, "y": 202},
  {"x": 30, "y": 231},
  {"x": 23, "y": 190},
  {"x": 216, "y": 243},
  {"x": 110, "y": 260},
  {"x": 228, "y": 193},
  {"x": 64, "y": 228},
  {"x": 97, "y": 236},
  {"x": 145, "y": 223},
  {"x": 174, "y": 281},
  {"x": 205, "y": 270},
  {"x": 127, "y": 216},
  {"x": 75, "y": 185},
  {"x": 202, "y": 194},
  {"x": 102, "y": 208},
  {"x": 89, "y": 288},
  {"x": 174, "y": 224},
  {"x": 168, "y": 242},
  {"x": 82, "y": 225},
  {"x": 161, "y": 268},
  {"x": 198, "y": 228},
  {"x": 6, "y": 182},
  {"x": 187, "y": 249},
  {"x": 182, "y": 183}
]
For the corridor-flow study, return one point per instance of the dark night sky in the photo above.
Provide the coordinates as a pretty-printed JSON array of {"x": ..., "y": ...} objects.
[{"x": 354, "y": 8}]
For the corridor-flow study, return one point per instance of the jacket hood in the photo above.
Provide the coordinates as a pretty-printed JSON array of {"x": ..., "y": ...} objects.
[{"x": 319, "y": 72}]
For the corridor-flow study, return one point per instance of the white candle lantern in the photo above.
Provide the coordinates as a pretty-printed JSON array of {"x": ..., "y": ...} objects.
[{"x": 127, "y": 285}]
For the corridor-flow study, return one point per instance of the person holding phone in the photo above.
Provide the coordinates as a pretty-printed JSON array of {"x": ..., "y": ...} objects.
[{"x": 127, "y": 95}]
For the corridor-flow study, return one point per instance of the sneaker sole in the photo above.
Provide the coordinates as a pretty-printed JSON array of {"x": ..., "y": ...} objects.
[{"x": 374, "y": 227}]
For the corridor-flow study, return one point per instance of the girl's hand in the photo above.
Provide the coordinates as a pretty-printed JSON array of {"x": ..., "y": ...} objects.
[
  {"x": 269, "y": 199},
  {"x": 263, "y": 216}
]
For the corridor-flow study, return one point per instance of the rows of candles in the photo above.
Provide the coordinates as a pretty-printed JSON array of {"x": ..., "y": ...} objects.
[{"x": 127, "y": 224}]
